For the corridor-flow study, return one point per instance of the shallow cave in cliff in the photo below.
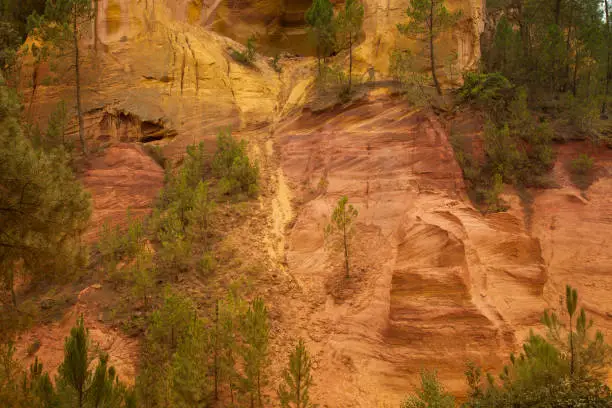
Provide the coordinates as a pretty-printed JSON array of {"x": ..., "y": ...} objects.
[{"x": 152, "y": 131}]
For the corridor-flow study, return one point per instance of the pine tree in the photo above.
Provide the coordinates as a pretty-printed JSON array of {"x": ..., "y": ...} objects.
[
  {"x": 431, "y": 394},
  {"x": 320, "y": 20},
  {"x": 143, "y": 276},
  {"x": 294, "y": 392},
  {"x": 571, "y": 301},
  {"x": 231, "y": 313},
  {"x": 255, "y": 331},
  {"x": 215, "y": 345},
  {"x": 201, "y": 214},
  {"x": 74, "y": 372},
  {"x": 60, "y": 26},
  {"x": 608, "y": 77},
  {"x": 350, "y": 22},
  {"x": 105, "y": 390},
  {"x": 341, "y": 229},
  {"x": 190, "y": 383},
  {"x": 429, "y": 19},
  {"x": 169, "y": 329},
  {"x": 43, "y": 207}
]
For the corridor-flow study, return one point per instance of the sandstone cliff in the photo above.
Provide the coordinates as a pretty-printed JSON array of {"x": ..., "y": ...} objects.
[{"x": 436, "y": 282}]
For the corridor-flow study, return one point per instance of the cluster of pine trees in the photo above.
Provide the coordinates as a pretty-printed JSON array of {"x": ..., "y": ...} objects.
[
  {"x": 553, "y": 47},
  {"x": 332, "y": 33},
  {"x": 565, "y": 368},
  {"x": 186, "y": 361},
  {"x": 84, "y": 378},
  {"x": 43, "y": 208}
]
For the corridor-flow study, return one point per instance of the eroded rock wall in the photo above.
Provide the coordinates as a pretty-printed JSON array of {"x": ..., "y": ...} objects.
[
  {"x": 279, "y": 26},
  {"x": 143, "y": 68},
  {"x": 434, "y": 282}
]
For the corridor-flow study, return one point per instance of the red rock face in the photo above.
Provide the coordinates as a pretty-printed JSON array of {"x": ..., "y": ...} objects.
[
  {"x": 435, "y": 283},
  {"x": 122, "y": 178}
]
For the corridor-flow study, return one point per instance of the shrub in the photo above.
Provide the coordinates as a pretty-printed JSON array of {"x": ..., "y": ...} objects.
[
  {"x": 176, "y": 248},
  {"x": 180, "y": 186},
  {"x": 246, "y": 57},
  {"x": 485, "y": 89},
  {"x": 274, "y": 63},
  {"x": 430, "y": 394},
  {"x": 231, "y": 164},
  {"x": 581, "y": 170},
  {"x": 582, "y": 165},
  {"x": 115, "y": 243},
  {"x": 582, "y": 114},
  {"x": 206, "y": 264},
  {"x": 492, "y": 200}
]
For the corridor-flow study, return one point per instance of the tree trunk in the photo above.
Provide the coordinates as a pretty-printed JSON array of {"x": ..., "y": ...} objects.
[
  {"x": 217, "y": 351},
  {"x": 568, "y": 47},
  {"x": 95, "y": 28},
  {"x": 345, "y": 238},
  {"x": 350, "y": 62},
  {"x": 259, "y": 400},
  {"x": 571, "y": 349},
  {"x": 609, "y": 68},
  {"x": 12, "y": 286},
  {"x": 558, "y": 12},
  {"x": 431, "y": 49},
  {"x": 575, "y": 80},
  {"x": 298, "y": 386},
  {"x": 523, "y": 30},
  {"x": 78, "y": 82}
]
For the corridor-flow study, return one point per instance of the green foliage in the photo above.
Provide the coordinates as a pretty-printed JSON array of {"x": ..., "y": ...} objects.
[
  {"x": 431, "y": 394},
  {"x": 175, "y": 245},
  {"x": 246, "y": 57},
  {"x": 58, "y": 30},
  {"x": 143, "y": 275},
  {"x": 404, "y": 68},
  {"x": 170, "y": 327},
  {"x": 427, "y": 20},
  {"x": 190, "y": 384},
  {"x": 24, "y": 388},
  {"x": 349, "y": 23},
  {"x": 175, "y": 220},
  {"x": 255, "y": 331},
  {"x": 581, "y": 171},
  {"x": 487, "y": 90},
  {"x": 78, "y": 384},
  {"x": 341, "y": 230},
  {"x": 567, "y": 368},
  {"x": 232, "y": 166},
  {"x": 206, "y": 264},
  {"x": 56, "y": 130},
  {"x": 518, "y": 147},
  {"x": 178, "y": 192},
  {"x": 297, "y": 379},
  {"x": 275, "y": 63},
  {"x": 187, "y": 361},
  {"x": 583, "y": 164},
  {"x": 9, "y": 43},
  {"x": 552, "y": 48},
  {"x": 74, "y": 370},
  {"x": 582, "y": 114},
  {"x": 116, "y": 243},
  {"x": 44, "y": 208},
  {"x": 322, "y": 28}
]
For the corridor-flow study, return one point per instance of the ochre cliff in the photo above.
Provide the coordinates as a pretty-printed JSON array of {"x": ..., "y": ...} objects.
[{"x": 435, "y": 282}]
